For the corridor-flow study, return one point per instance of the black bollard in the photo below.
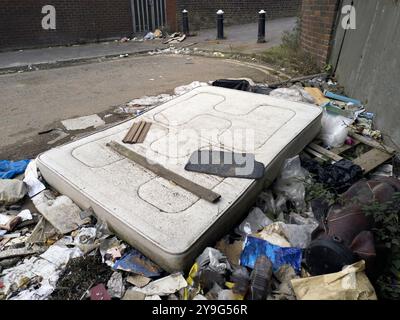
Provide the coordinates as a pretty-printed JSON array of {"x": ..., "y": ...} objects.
[
  {"x": 185, "y": 22},
  {"x": 220, "y": 24},
  {"x": 261, "y": 27}
]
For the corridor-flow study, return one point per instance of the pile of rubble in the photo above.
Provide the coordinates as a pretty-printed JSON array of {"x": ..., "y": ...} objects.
[
  {"x": 290, "y": 246},
  {"x": 176, "y": 37}
]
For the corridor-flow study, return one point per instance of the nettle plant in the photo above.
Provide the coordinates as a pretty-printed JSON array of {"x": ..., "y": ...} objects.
[{"x": 387, "y": 232}]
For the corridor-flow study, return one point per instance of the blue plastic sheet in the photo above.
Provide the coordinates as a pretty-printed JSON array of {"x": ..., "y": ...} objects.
[
  {"x": 137, "y": 263},
  {"x": 255, "y": 247},
  {"x": 10, "y": 169}
]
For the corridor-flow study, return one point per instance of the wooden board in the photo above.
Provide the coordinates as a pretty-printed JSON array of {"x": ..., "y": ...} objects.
[
  {"x": 317, "y": 94},
  {"x": 371, "y": 142},
  {"x": 137, "y": 133},
  {"x": 345, "y": 147},
  {"x": 163, "y": 172},
  {"x": 315, "y": 154},
  {"x": 372, "y": 159},
  {"x": 325, "y": 152}
]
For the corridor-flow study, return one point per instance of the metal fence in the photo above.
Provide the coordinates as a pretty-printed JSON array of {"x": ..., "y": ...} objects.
[{"x": 148, "y": 15}]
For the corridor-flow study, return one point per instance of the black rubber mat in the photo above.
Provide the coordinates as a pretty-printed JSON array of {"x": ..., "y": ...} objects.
[{"x": 226, "y": 164}]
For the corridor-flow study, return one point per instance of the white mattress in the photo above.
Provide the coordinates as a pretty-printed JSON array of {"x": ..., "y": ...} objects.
[{"x": 167, "y": 223}]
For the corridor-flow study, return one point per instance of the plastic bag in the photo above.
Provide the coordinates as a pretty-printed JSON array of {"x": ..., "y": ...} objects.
[
  {"x": 214, "y": 260},
  {"x": 11, "y": 191},
  {"x": 334, "y": 129},
  {"x": 149, "y": 36},
  {"x": 294, "y": 93},
  {"x": 338, "y": 176},
  {"x": 255, "y": 221},
  {"x": 254, "y": 247},
  {"x": 288, "y": 235},
  {"x": 299, "y": 236},
  {"x": 266, "y": 202},
  {"x": 290, "y": 184}
]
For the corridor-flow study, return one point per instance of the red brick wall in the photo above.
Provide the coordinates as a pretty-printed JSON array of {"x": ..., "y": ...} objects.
[
  {"x": 202, "y": 13},
  {"x": 77, "y": 21},
  {"x": 317, "y": 25}
]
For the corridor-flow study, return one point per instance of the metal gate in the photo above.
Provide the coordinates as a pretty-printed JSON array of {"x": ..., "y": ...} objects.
[{"x": 148, "y": 15}]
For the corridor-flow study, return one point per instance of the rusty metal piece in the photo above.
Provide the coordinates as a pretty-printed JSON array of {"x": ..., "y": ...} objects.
[{"x": 137, "y": 132}]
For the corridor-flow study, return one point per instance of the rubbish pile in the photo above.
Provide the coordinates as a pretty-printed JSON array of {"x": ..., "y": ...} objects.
[
  {"x": 176, "y": 37},
  {"x": 320, "y": 231}
]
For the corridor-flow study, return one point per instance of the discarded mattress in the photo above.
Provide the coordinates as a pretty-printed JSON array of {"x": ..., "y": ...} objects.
[{"x": 168, "y": 224}]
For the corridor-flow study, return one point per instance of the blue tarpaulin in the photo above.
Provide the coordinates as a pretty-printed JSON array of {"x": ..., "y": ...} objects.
[
  {"x": 10, "y": 169},
  {"x": 255, "y": 247}
]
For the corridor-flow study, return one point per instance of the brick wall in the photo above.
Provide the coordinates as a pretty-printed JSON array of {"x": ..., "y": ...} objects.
[
  {"x": 172, "y": 23},
  {"x": 317, "y": 27},
  {"x": 202, "y": 13},
  {"x": 77, "y": 21}
]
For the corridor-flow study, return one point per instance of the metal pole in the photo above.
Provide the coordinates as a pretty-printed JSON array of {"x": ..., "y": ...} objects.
[
  {"x": 261, "y": 26},
  {"x": 185, "y": 22},
  {"x": 220, "y": 24}
]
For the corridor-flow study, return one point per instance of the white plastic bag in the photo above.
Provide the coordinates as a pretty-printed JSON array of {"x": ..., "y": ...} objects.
[{"x": 334, "y": 129}]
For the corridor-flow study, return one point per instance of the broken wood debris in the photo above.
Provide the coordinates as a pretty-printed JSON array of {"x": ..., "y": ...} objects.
[
  {"x": 368, "y": 161},
  {"x": 137, "y": 133},
  {"x": 371, "y": 142}
]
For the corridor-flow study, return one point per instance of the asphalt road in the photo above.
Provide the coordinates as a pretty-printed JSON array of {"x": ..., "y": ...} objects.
[{"x": 35, "y": 101}]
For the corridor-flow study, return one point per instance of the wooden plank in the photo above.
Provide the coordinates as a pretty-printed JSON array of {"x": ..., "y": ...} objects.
[
  {"x": 372, "y": 159},
  {"x": 315, "y": 153},
  {"x": 345, "y": 147},
  {"x": 317, "y": 94},
  {"x": 325, "y": 152},
  {"x": 163, "y": 172},
  {"x": 371, "y": 142},
  {"x": 144, "y": 132},
  {"x": 137, "y": 133},
  {"x": 129, "y": 136}
]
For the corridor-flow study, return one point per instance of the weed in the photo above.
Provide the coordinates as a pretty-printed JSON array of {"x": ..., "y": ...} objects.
[
  {"x": 289, "y": 55},
  {"x": 387, "y": 231},
  {"x": 316, "y": 190}
]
